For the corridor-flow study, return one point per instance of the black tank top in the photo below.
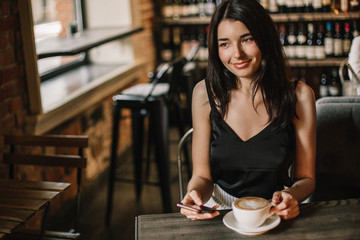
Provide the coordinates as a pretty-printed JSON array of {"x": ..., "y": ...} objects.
[{"x": 256, "y": 167}]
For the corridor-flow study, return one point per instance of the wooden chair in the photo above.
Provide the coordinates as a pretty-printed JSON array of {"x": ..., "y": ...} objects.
[{"x": 16, "y": 157}]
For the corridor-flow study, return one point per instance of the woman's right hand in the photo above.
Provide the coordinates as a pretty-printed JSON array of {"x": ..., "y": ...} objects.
[{"x": 193, "y": 198}]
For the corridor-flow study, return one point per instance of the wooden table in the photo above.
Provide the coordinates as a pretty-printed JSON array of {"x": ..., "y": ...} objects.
[
  {"x": 322, "y": 220},
  {"x": 20, "y": 200}
]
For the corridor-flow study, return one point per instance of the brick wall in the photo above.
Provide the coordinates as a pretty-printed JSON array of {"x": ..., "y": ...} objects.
[
  {"x": 94, "y": 122},
  {"x": 13, "y": 98}
]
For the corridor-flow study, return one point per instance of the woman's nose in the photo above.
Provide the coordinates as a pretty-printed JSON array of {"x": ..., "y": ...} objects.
[{"x": 237, "y": 51}]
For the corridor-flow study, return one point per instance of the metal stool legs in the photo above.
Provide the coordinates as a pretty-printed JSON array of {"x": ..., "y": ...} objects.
[{"x": 158, "y": 115}]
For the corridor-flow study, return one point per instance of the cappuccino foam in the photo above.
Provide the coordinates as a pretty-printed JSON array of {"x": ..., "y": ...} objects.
[{"x": 251, "y": 203}]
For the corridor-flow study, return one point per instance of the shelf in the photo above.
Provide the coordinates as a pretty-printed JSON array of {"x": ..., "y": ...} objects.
[
  {"x": 87, "y": 39},
  {"x": 188, "y": 21},
  {"x": 284, "y": 17},
  {"x": 295, "y": 17},
  {"x": 328, "y": 62}
]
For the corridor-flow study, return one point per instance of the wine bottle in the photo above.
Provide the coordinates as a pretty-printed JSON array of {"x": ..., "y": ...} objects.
[
  {"x": 326, "y": 5},
  {"x": 317, "y": 5},
  {"x": 176, "y": 9},
  {"x": 301, "y": 42},
  {"x": 210, "y": 6},
  {"x": 202, "y": 8},
  {"x": 355, "y": 30},
  {"x": 273, "y": 7},
  {"x": 166, "y": 50},
  {"x": 338, "y": 45},
  {"x": 335, "y": 84},
  {"x": 335, "y": 6},
  {"x": 185, "y": 8},
  {"x": 308, "y": 7},
  {"x": 265, "y": 4},
  {"x": 281, "y": 6},
  {"x": 283, "y": 38},
  {"x": 329, "y": 41},
  {"x": 324, "y": 86},
  {"x": 310, "y": 42},
  {"x": 167, "y": 9},
  {"x": 320, "y": 46},
  {"x": 354, "y": 5},
  {"x": 344, "y": 6},
  {"x": 176, "y": 41},
  {"x": 346, "y": 39},
  {"x": 291, "y": 39},
  {"x": 299, "y": 5},
  {"x": 290, "y": 6}
]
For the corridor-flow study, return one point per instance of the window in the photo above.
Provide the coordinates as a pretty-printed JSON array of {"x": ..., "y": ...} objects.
[{"x": 92, "y": 66}]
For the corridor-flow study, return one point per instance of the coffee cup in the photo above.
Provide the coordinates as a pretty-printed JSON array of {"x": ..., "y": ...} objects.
[{"x": 251, "y": 212}]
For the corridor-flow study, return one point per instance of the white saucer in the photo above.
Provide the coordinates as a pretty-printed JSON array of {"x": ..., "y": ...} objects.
[{"x": 270, "y": 223}]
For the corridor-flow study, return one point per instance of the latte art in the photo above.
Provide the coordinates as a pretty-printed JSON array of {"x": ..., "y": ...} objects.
[{"x": 251, "y": 203}]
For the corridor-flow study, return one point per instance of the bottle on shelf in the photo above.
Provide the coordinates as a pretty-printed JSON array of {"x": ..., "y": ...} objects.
[
  {"x": 194, "y": 8},
  {"x": 335, "y": 84},
  {"x": 290, "y": 6},
  {"x": 324, "y": 85},
  {"x": 335, "y": 6},
  {"x": 310, "y": 42},
  {"x": 329, "y": 41},
  {"x": 167, "y": 9},
  {"x": 291, "y": 40},
  {"x": 283, "y": 37},
  {"x": 202, "y": 8},
  {"x": 210, "y": 6},
  {"x": 320, "y": 40},
  {"x": 176, "y": 9},
  {"x": 299, "y": 5},
  {"x": 281, "y": 6},
  {"x": 166, "y": 50},
  {"x": 326, "y": 5},
  {"x": 355, "y": 29},
  {"x": 347, "y": 38},
  {"x": 344, "y": 6},
  {"x": 317, "y": 5},
  {"x": 273, "y": 7},
  {"x": 354, "y": 6},
  {"x": 301, "y": 41},
  {"x": 265, "y": 4},
  {"x": 202, "y": 54},
  {"x": 308, "y": 7},
  {"x": 176, "y": 41},
  {"x": 338, "y": 41},
  {"x": 184, "y": 9}
]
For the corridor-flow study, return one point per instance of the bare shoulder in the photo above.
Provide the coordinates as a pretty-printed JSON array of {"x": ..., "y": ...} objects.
[
  {"x": 304, "y": 93},
  {"x": 200, "y": 94}
]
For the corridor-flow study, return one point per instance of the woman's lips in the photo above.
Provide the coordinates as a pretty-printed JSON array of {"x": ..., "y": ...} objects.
[{"x": 241, "y": 64}]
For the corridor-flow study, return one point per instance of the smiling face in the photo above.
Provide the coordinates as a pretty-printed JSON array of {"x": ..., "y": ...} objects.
[{"x": 237, "y": 49}]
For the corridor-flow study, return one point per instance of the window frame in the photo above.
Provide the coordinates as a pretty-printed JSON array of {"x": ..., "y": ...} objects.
[{"x": 39, "y": 121}]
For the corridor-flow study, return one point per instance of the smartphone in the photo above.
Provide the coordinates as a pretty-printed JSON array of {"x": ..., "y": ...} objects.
[{"x": 203, "y": 208}]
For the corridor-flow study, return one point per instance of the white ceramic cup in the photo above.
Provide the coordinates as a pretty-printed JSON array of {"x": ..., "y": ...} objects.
[{"x": 251, "y": 212}]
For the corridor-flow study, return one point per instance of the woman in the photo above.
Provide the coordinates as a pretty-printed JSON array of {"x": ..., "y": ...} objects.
[{"x": 251, "y": 122}]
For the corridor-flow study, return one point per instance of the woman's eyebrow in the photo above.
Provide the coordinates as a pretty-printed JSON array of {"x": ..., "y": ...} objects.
[{"x": 242, "y": 36}]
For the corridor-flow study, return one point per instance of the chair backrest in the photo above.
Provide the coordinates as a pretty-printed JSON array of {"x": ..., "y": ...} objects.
[
  {"x": 181, "y": 145},
  {"x": 338, "y": 148},
  {"x": 16, "y": 156}
]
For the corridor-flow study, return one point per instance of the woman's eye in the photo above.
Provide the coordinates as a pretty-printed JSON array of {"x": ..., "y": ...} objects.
[
  {"x": 223, "y": 44},
  {"x": 245, "y": 40}
]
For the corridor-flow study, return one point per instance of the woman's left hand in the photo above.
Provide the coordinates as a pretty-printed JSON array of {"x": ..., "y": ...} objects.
[{"x": 287, "y": 206}]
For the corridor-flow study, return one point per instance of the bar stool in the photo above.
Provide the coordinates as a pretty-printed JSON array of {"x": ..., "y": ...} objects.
[{"x": 147, "y": 100}]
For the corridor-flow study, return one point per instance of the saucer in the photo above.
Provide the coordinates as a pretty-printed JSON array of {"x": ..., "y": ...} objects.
[{"x": 270, "y": 223}]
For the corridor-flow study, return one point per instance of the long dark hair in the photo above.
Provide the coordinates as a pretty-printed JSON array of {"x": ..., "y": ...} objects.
[{"x": 273, "y": 76}]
